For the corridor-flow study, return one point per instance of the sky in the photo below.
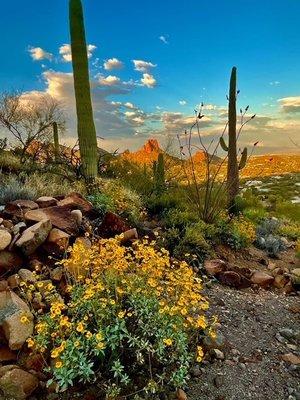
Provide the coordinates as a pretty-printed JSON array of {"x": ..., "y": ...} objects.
[{"x": 152, "y": 64}]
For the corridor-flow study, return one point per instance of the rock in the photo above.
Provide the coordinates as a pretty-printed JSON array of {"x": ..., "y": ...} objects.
[
  {"x": 3, "y": 285},
  {"x": 26, "y": 275},
  {"x": 8, "y": 224},
  {"x": 210, "y": 343},
  {"x": 17, "y": 384},
  {"x": 19, "y": 228},
  {"x": 291, "y": 358},
  {"x": 57, "y": 274},
  {"x": 196, "y": 371},
  {"x": 218, "y": 381},
  {"x": 287, "y": 333},
  {"x": 12, "y": 312},
  {"x": 214, "y": 267},
  {"x": 296, "y": 276},
  {"x": 262, "y": 278},
  {"x": 280, "y": 281},
  {"x": 84, "y": 241},
  {"x": 35, "y": 362},
  {"x": 46, "y": 201},
  {"x": 60, "y": 218},
  {"x": 5, "y": 239},
  {"x": 131, "y": 234},
  {"x": 34, "y": 236},
  {"x": 57, "y": 242},
  {"x": 181, "y": 395},
  {"x": 9, "y": 261},
  {"x": 6, "y": 354},
  {"x": 233, "y": 279},
  {"x": 218, "y": 354},
  {"x": 18, "y": 208},
  {"x": 75, "y": 201},
  {"x": 78, "y": 216},
  {"x": 112, "y": 225}
]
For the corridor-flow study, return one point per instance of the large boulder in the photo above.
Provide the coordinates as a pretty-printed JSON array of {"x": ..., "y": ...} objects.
[
  {"x": 214, "y": 267},
  {"x": 18, "y": 208},
  {"x": 57, "y": 242},
  {"x": 262, "y": 278},
  {"x": 75, "y": 201},
  {"x": 234, "y": 279},
  {"x": 17, "y": 384},
  {"x": 112, "y": 225},
  {"x": 46, "y": 201},
  {"x": 34, "y": 236},
  {"x": 9, "y": 261},
  {"x": 16, "y": 319},
  {"x": 5, "y": 239},
  {"x": 60, "y": 218}
]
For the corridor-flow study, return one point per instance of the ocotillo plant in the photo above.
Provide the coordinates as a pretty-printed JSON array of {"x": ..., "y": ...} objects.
[
  {"x": 55, "y": 140},
  {"x": 85, "y": 120},
  {"x": 159, "y": 173}
]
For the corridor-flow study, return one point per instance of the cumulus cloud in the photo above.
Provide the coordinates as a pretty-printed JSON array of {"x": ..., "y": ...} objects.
[
  {"x": 143, "y": 66},
  {"x": 148, "y": 80},
  {"x": 65, "y": 51},
  {"x": 290, "y": 104},
  {"x": 164, "y": 39},
  {"x": 182, "y": 102},
  {"x": 110, "y": 80},
  {"x": 38, "y": 54},
  {"x": 113, "y": 63},
  {"x": 274, "y": 83}
]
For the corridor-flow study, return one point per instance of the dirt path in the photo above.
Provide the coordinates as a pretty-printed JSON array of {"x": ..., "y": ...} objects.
[{"x": 252, "y": 368}]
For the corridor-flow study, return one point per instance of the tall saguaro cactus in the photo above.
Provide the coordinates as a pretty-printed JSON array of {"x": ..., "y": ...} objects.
[
  {"x": 55, "y": 140},
  {"x": 233, "y": 167},
  {"x": 85, "y": 120},
  {"x": 159, "y": 173}
]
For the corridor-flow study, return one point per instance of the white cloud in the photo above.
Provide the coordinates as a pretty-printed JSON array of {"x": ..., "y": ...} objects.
[
  {"x": 38, "y": 54},
  {"x": 65, "y": 51},
  {"x": 148, "y": 80},
  {"x": 290, "y": 104},
  {"x": 182, "y": 102},
  {"x": 113, "y": 63},
  {"x": 274, "y": 83},
  {"x": 110, "y": 80},
  {"x": 164, "y": 39},
  {"x": 143, "y": 66}
]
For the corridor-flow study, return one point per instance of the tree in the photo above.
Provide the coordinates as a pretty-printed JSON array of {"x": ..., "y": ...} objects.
[
  {"x": 85, "y": 120},
  {"x": 30, "y": 120}
]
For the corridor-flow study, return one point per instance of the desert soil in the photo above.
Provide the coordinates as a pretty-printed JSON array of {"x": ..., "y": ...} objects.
[{"x": 251, "y": 322}]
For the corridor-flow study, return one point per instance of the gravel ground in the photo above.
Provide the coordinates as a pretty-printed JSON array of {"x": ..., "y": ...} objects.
[{"x": 252, "y": 369}]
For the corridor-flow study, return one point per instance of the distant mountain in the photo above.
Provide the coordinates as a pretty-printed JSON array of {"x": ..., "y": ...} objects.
[{"x": 146, "y": 155}]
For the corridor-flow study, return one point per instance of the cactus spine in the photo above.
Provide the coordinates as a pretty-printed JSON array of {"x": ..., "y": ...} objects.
[
  {"x": 55, "y": 140},
  {"x": 85, "y": 120},
  {"x": 159, "y": 173}
]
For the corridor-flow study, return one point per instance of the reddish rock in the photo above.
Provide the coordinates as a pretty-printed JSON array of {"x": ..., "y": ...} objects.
[
  {"x": 60, "y": 218},
  {"x": 34, "y": 236},
  {"x": 85, "y": 241},
  {"x": 75, "y": 201},
  {"x": 6, "y": 354},
  {"x": 18, "y": 208},
  {"x": 3, "y": 285},
  {"x": 129, "y": 235},
  {"x": 181, "y": 395},
  {"x": 35, "y": 362},
  {"x": 112, "y": 225},
  {"x": 214, "y": 267},
  {"x": 291, "y": 358},
  {"x": 17, "y": 384},
  {"x": 5, "y": 239},
  {"x": 9, "y": 261},
  {"x": 46, "y": 201},
  {"x": 78, "y": 216},
  {"x": 57, "y": 242},
  {"x": 280, "y": 281},
  {"x": 262, "y": 278},
  {"x": 234, "y": 279}
]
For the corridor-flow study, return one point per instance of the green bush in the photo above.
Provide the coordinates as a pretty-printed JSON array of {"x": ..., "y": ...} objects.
[
  {"x": 101, "y": 202},
  {"x": 11, "y": 189},
  {"x": 174, "y": 218},
  {"x": 173, "y": 198}
]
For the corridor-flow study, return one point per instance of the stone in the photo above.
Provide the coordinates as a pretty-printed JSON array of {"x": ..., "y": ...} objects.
[
  {"x": 6, "y": 354},
  {"x": 75, "y": 201},
  {"x": 34, "y": 236},
  {"x": 84, "y": 241},
  {"x": 280, "y": 281},
  {"x": 60, "y": 218},
  {"x": 196, "y": 371},
  {"x": 18, "y": 208},
  {"x": 12, "y": 309},
  {"x": 3, "y": 285},
  {"x": 26, "y": 275},
  {"x": 17, "y": 384},
  {"x": 9, "y": 261},
  {"x": 8, "y": 224},
  {"x": 57, "y": 242},
  {"x": 291, "y": 358},
  {"x": 214, "y": 267},
  {"x": 78, "y": 216},
  {"x": 181, "y": 395},
  {"x": 234, "y": 279},
  {"x": 19, "y": 228},
  {"x": 5, "y": 239},
  {"x": 262, "y": 278},
  {"x": 210, "y": 343},
  {"x": 57, "y": 274},
  {"x": 35, "y": 362},
  {"x": 131, "y": 234},
  {"x": 46, "y": 201},
  {"x": 287, "y": 333},
  {"x": 218, "y": 381},
  {"x": 112, "y": 225},
  {"x": 296, "y": 276},
  {"x": 218, "y": 354}
]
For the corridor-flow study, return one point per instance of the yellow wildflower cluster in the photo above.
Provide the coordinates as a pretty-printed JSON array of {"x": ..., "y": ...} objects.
[{"x": 245, "y": 229}]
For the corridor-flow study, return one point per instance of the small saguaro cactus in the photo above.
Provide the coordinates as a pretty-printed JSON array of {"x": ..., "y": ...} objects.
[
  {"x": 159, "y": 172},
  {"x": 55, "y": 140},
  {"x": 85, "y": 120}
]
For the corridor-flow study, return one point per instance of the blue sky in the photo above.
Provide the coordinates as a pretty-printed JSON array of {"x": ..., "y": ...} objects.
[{"x": 191, "y": 45}]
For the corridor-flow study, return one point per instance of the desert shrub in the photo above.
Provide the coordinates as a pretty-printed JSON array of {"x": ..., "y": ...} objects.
[
  {"x": 134, "y": 320},
  {"x": 12, "y": 189},
  {"x": 101, "y": 202},
  {"x": 124, "y": 201},
  {"x": 298, "y": 249},
  {"x": 9, "y": 162},
  {"x": 288, "y": 210},
  {"x": 290, "y": 230},
  {"x": 237, "y": 232},
  {"x": 175, "y": 218},
  {"x": 172, "y": 198},
  {"x": 268, "y": 237},
  {"x": 192, "y": 244},
  {"x": 255, "y": 215}
]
